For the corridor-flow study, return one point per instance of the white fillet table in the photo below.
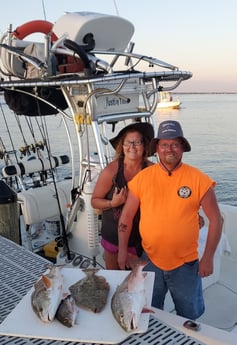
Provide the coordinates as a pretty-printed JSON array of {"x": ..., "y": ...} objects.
[{"x": 20, "y": 268}]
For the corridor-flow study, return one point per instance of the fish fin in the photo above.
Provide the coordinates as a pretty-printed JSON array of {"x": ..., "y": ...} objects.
[
  {"x": 47, "y": 281},
  {"x": 147, "y": 310},
  {"x": 90, "y": 271}
]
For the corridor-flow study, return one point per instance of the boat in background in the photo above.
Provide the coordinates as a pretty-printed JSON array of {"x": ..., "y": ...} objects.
[
  {"x": 166, "y": 101},
  {"x": 77, "y": 75}
]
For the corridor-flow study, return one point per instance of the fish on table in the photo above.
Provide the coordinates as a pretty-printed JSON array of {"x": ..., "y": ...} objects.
[
  {"x": 67, "y": 312},
  {"x": 91, "y": 292},
  {"x": 47, "y": 294},
  {"x": 129, "y": 299}
]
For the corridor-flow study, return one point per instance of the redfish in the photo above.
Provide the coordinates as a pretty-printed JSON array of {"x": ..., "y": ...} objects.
[
  {"x": 129, "y": 299},
  {"x": 47, "y": 294}
]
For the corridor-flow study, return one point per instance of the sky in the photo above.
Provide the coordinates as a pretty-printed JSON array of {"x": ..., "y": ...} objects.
[{"x": 196, "y": 36}]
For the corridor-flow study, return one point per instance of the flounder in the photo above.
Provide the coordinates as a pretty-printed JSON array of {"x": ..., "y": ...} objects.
[{"x": 91, "y": 292}]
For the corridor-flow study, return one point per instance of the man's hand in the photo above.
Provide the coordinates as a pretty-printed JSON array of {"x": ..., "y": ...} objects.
[
  {"x": 132, "y": 261},
  {"x": 206, "y": 266}
]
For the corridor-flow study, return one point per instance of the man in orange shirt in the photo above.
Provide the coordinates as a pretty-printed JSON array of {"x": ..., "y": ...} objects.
[{"x": 170, "y": 194}]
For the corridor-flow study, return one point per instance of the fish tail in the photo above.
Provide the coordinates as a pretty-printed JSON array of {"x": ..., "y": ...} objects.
[{"x": 47, "y": 281}]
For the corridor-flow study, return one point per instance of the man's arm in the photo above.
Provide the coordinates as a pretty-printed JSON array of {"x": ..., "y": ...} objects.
[
  {"x": 212, "y": 211},
  {"x": 125, "y": 226}
]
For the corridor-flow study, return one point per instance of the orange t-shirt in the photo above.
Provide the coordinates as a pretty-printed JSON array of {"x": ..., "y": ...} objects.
[{"x": 169, "y": 208}]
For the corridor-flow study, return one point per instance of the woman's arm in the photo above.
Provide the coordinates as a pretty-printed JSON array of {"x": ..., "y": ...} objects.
[
  {"x": 125, "y": 227},
  {"x": 103, "y": 186}
]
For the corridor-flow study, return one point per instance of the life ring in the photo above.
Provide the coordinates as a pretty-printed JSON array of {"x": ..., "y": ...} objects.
[
  {"x": 32, "y": 27},
  {"x": 64, "y": 63}
]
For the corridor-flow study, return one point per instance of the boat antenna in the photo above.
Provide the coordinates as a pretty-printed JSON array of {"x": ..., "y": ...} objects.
[
  {"x": 43, "y": 6},
  {"x": 116, "y": 8}
]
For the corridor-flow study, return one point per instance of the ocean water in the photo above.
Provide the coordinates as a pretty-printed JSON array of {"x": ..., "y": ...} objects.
[{"x": 209, "y": 122}]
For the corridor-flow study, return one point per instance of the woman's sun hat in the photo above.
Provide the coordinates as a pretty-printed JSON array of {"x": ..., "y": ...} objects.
[{"x": 145, "y": 128}]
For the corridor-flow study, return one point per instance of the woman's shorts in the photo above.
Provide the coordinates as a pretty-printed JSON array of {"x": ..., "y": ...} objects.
[{"x": 113, "y": 249}]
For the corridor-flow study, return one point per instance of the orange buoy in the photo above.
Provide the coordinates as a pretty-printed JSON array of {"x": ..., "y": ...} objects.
[{"x": 32, "y": 27}]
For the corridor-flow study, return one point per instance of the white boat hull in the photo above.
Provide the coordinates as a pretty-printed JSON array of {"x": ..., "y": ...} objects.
[{"x": 169, "y": 105}]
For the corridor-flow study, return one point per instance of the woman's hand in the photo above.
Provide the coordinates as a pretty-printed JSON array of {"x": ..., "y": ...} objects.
[{"x": 119, "y": 197}]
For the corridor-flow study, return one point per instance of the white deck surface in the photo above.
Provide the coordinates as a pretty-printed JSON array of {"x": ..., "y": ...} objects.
[{"x": 221, "y": 298}]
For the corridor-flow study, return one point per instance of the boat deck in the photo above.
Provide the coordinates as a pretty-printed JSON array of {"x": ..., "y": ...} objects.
[{"x": 222, "y": 315}]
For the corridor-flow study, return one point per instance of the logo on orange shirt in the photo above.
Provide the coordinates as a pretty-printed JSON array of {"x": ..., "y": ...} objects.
[{"x": 184, "y": 192}]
